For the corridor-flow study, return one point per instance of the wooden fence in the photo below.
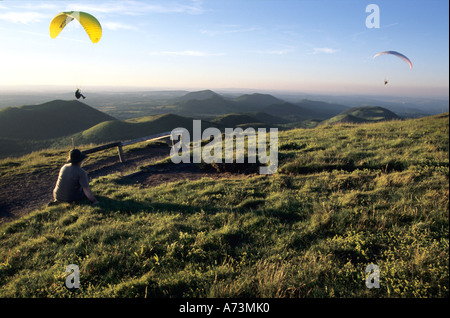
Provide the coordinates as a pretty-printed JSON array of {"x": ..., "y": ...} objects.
[{"x": 121, "y": 144}]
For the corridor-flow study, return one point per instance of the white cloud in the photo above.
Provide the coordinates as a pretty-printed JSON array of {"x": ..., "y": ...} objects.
[
  {"x": 326, "y": 50},
  {"x": 114, "y": 26},
  {"x": 185, "y": 53},
  {"x": 22, "y": 17}
]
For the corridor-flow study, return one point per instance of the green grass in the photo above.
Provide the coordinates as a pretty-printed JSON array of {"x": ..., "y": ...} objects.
[
  {"x": 345, "y": 196},
  {"x": 363, "y": 114}
]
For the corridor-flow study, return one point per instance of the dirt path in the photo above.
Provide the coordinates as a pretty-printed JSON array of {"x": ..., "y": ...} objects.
[{"x": 32, "y": 191}]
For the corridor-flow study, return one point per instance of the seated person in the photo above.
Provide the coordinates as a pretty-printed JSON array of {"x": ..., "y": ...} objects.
[{"x": 73, "y": 182}]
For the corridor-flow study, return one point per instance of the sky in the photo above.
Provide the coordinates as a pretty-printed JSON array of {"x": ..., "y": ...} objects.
[{"x": 318, "y": 46}]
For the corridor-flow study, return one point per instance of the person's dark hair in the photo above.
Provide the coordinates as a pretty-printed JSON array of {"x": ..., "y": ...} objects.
[{"x": 76, "y": 156}]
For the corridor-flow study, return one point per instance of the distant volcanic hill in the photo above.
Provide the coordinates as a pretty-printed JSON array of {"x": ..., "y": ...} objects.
[
  {"x": 49, "y": 120},
  {"x": 363, "y": 114}
]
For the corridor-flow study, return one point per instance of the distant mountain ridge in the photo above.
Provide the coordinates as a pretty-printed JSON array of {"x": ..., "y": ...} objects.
[
  {"x": 213, "y": 105},
  {"x": 257, "y": 100},
  {"x": 198, "y": 95},
  {"x": 207, "y": 102}
]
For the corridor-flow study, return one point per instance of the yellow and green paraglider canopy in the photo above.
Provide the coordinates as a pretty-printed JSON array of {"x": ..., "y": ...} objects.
[{"x": 89, "y": 23}]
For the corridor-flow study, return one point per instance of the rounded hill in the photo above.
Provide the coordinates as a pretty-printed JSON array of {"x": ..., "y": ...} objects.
[
  {"x": 117, "y": 130},
  {"x": 53, "y": 119},
  {"x": 363, "y": 114}
]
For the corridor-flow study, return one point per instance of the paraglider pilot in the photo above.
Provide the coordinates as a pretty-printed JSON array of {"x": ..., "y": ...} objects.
[{"x": 78, "y": 94}]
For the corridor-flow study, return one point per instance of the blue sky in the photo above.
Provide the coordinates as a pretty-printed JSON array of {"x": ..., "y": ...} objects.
[{"x": 295, "y": 45}]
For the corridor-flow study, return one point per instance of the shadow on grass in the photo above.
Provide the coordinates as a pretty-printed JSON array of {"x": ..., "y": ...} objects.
[
  {"x": 129, "y": 207},
  {"x": 111, "y": 207}
]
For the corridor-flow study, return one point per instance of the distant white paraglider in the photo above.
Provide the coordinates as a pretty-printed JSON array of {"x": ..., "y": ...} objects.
[{"x": 399, "y": 55}]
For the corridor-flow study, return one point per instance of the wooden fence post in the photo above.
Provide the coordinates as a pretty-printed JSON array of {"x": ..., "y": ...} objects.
[{"x": 121, "y": 156}]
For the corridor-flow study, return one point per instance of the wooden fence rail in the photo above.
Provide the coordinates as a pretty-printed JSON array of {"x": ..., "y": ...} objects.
[
  {"x": 148, "y": 138},
  {"x": 120, "y": 144}
]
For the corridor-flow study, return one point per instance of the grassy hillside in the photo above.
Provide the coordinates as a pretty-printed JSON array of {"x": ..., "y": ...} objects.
[
  {"x": 236, "y": 119},
  {"x": 49, "y": 120},
  {"x": 10, "y": 147},
  {"x": 363, "y": 114},
  {"x": 34, "y": 127},
  {"x": 344, "y": 196},
  {"x": 103, "y": 132},
  {"x": 134, "y": 128},
  {"x": 118, "y": 130}
]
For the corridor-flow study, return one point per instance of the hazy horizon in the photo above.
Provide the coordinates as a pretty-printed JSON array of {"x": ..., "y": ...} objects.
[
  {"x": 58, "y": 89},
  {"x": 99, "y": 97}
]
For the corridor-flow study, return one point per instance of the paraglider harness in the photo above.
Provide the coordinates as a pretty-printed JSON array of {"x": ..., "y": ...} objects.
[{"x": 78, "y": 94}]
